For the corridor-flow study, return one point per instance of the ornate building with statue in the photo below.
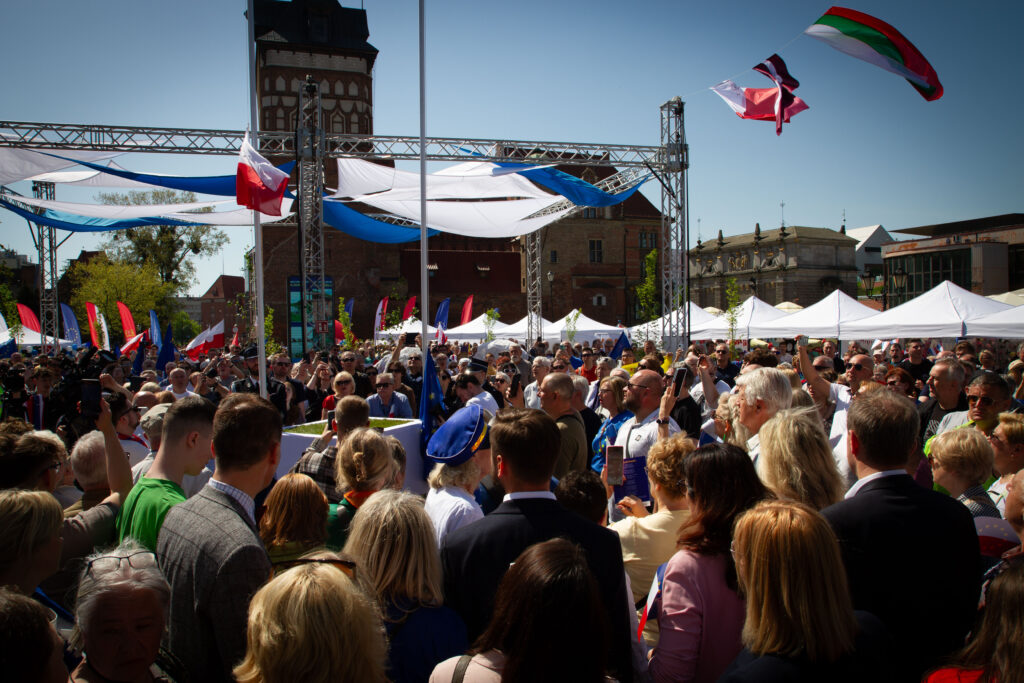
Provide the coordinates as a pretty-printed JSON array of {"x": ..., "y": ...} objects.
[{"x": 794, "y": 263}]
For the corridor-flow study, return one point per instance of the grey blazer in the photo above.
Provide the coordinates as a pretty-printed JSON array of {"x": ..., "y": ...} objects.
[{"x": 214, "y": 560}]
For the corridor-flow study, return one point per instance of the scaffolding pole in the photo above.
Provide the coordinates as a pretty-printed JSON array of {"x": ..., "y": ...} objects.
[
  {"x": 675, "y": 296},
  {"x": 45, "y": 239},
  {"x": 309, "y": 142}
]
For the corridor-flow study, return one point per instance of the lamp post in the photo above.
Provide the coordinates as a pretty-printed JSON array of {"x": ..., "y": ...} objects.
[
  {"x": 551, "y": 279},
  {"x": 867, "y": 281},
  {"x": 899, "y": 281}
]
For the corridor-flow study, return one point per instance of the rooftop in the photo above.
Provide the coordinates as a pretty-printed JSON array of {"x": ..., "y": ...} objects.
[
  {"x": 793, "y": 232},
  {"x": 1007, "y": 220},
  {"x": 313, "y": 23}
]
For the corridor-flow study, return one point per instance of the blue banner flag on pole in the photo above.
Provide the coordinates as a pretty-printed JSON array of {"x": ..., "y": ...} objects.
[
  {"x": 348, "y": 308},
  {"x": 431, "y": 400},
  {"x": 154, "y": 330},
  {"x": 621, "y": 345},
  {"x": 166, "y": 351},
  {"x": 71, "y": 331},
  {"x": 441, "y": 319}
]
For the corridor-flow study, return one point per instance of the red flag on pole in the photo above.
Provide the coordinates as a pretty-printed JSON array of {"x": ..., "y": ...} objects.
[
  {"x": 90, "y": 313},
  {"x": 467, "y": 310},
  {"x": 127, "y": 322},
  {"x": 28, "y": 318},
  {"x": 258, "y": 184},
  {"x": 409, "y": 305},
  {"x": 339, "y": 332}
]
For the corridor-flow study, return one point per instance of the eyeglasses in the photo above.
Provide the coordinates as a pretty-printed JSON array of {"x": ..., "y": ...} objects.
[
  {"x": 983, "y": 400},
  {"x": 501, "y": 381},
  {"x": 346, "y": 566},
  {"x": 381, "y": 385},
  {"x": 140, "y": 559},
  {"x": 588, "y": 355},
  {"x": 858, "y": 367},
  {"x": 558, "y": 367},
  {"x": 342, "y": 382},
  {"x": 348, "y": 360},
  {"x": 636, "y": 387},
  {"x": 721, "y": 350}
]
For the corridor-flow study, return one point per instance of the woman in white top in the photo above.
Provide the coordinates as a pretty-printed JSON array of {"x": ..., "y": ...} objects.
[{"x": 462, "y": 450}]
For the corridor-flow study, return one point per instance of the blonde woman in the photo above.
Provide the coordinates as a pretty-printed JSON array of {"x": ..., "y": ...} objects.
[
  {"x": 461, "y": 450},
  {"x": 30, "y": 538},
  {"x": 796, "y": 461},
  {"x": 800, "y": 624},
  {"x": 364, "y": 465},
  {"x": 313, "y": 623},
  {"x": 392, "y": 540},
  {"x": 961, "y": 460},
  {"x": 343, "y": 385}
]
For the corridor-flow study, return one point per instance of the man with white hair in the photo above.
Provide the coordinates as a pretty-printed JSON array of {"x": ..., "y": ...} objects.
[
  {"x": 525, "y": 373},
  {"x": 541, "y": 367},
  {"x": 591, "y": 420},
  {"x": 89, "y": 464},
  {"x": 762, "y": 393}
]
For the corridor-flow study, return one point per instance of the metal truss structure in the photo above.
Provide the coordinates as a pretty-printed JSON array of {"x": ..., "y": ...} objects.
[
  {"x": 675, "y": 290},
  {"x": 45, "y": 239},
  {"x": 311, "y": 147}
]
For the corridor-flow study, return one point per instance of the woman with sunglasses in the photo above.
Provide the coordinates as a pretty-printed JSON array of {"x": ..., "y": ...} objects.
[
  {"x": 392, "y": 540},
  {"x": 319, "y": 387},
  {"x": 343, "y": 385},
  {"x": 120, "y": 617}
]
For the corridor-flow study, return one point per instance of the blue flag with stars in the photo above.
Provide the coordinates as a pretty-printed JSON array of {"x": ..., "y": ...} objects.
[{"x": 431, "y": 400}]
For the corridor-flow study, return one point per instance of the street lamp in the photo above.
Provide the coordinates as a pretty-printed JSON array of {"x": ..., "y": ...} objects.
[
  {"x": 899, "y": 280},
  {"x": 551, "y": 279},
  {"x": 867, "y": 281}
]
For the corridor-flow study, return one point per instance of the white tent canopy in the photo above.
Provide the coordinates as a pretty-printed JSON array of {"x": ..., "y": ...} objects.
[
  {"x": 518, "y": 329},
  {"x": 410, "y": 326},
  {"x": 587, "y": 329},
  {"x": 28, "y": 338},
  {"x": 1015, "y": 298},
  {"x": 474, "y": 330},
  {"x": 826, "y": 318},
  {"x": 1008, "y": 324},
  {"x": 942, "y": 311},
  {"x": 652, "y": 329},
  {"x": 751, "y": 319}
]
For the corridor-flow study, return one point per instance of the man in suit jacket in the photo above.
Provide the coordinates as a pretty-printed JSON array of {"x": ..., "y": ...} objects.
[
  {"x": 911, "y": 554},
  {"x": 208, "y": 547},
  {"x": 475, "y": 557}
]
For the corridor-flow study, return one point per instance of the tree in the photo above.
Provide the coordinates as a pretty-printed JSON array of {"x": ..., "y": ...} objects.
[
  {"x": 489, "y": 318},
  {"x": 105, "y": 282},
  {"x": 732, "y": 302},
  {"x": 570, "y": 325},
  {"x": 393, "y": 316},
  {"x": 271, "y": 344},
  {"x": 170, "y": 249},
  {"x": 647, "y": 291},
  {"x": 183, "y": 329},
  {"x": 350, "y": 341}
]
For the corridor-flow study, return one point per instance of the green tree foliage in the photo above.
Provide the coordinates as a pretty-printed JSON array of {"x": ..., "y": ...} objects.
[
  {"x": 489, "y": 319},
  {"x": 183, "y": 329},
  {"x": 732, "y": 302},
  {"x": 570, "y": 325},
  {"x": 105, "y": 282},
  {"x": 171, "y": 249},
  {"x": 350, "y": 341},
  {"x": 647, "y": 293},
  {"x": 396, "y": 304},
  {"x": 272, "y": 345}
]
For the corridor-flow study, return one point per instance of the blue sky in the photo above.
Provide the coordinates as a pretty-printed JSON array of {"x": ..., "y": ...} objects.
[{"x": 582, "y": 71}]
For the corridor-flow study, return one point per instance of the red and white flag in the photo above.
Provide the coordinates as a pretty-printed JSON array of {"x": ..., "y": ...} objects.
[
  {"x": 407, "y": 311},
  {"x": 759, "y": 104},
  {"x": 132, "y": 343},
  {"x": 382, "y": 311},
  {"x": 775, "y": 69},
  {"x": 258, "y": 184},
  {"x": 28, "y": 319},
  {"x": 210, "y": 338},
  {"x": 339, "y": 332}
]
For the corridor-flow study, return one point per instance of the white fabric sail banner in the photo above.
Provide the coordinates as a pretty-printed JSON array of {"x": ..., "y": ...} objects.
[
  {"x": 232, "y": 217},
  {"x": 475, "y": 219},
  {"x": 472, "y": 180},
  {"x": 91, "y": 179},
  {"x": 18, "y": 164},
  {"x": 180, "y": 212}
]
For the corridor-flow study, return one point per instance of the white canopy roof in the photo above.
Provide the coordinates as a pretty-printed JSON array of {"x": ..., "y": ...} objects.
[
  {"x": 474, "y": 330},
  {"x": 28, "y": 338},
  {"x": 1012, "y": 298},
  {"x": 827, "y": 318},
  {"x": 412, "y": 325},
  {"x": 652, "y": 329},
  {"x": 751, "y": 318},
  {"x": 940, "y": 312},
  {"x": 587, "y": 329},
  {"x": 1008, "y": 324},
  {"x": 517, "y": 330}
]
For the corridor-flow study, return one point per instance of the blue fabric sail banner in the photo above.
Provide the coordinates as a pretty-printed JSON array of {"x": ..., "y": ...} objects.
[
  {"x": 350, "y": 221},
  {"x": 73, "y": 223},
  {"x": 222, "y": 185},
  {"x": 71, "y": 331},
  {"x": 154, "y": 329},
  {"x": 441, "y": 319},
  {"x": 576, "y": 190}
]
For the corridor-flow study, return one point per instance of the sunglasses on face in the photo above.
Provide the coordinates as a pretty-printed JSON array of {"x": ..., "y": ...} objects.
[
  {"x": 381, "y": 385},
  {"x": 983, "y": 400},
  {"x": 343, "y": 382},
  {"x": 558, "y": 367},
  {"x": 857, "y": 366}
]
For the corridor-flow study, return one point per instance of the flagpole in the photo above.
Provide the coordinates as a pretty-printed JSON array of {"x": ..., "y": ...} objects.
[
  {"x": 424, "y": 280},
  {"x": 257, "y": 229}
]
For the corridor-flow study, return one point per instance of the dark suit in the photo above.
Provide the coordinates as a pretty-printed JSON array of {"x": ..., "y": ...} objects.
[
  {"x": 912, "y": 559},
  {"x": 275, "y": 391},
  {"x": 212, "y": 557},
  {"x": 475, "y": 557}
]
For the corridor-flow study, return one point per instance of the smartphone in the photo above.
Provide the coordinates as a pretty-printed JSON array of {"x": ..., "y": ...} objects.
[
  {"x": 91, "y": 396},
  {"x": 514, "y": 387},
  {"x": 135, "y": 382},
  {"x": 211, "y": 371},
  {"x": 682, "y": 375},
  {"x": 613, "y": 455}
]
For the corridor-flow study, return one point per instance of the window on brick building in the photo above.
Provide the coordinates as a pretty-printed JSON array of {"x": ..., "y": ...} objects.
[
  {"x": 554, "y": 256},
  {"x": 600, "y": 300},
  {"x": 596, "y": 251},
  {"x": 590, "y": 212}
]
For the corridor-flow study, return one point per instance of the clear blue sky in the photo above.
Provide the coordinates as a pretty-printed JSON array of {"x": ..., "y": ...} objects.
[{"x": 586, "y": 71}]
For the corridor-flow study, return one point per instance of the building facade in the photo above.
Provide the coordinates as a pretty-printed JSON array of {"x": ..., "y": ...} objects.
[
  {"x": 798, "y": 264},
  {"x": 983, "y": 255}
]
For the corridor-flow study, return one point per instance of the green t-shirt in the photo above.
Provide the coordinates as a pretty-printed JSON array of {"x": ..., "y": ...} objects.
[{"x": 144, "y": 510}]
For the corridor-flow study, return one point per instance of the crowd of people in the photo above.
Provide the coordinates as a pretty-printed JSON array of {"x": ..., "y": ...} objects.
[{"x": 790, "y": 513}]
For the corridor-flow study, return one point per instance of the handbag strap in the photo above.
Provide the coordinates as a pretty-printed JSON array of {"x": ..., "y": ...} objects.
[{"x": 460, "y": 668}]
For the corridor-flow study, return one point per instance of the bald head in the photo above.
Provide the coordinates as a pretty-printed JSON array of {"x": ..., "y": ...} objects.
[{"x": 860, "y": 368}]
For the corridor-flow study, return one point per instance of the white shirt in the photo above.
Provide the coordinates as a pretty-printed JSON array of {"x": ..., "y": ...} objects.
[
  {"x": 450, "y": 508},
  {"x": 531, "y": 395},
  {"x": 187, "y": 392},
  {"x": 840, "y": 395},
  {"x": 871, "y": 477},
  {"x": 485, "y": 401},
  {"x": 636, "y": 439}
]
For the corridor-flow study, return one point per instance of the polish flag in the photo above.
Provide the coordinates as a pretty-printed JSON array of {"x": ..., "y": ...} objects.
[
  {"x": 132, "y": 343},
  {"x": 759, "y": 104},
  {"x": 210, "y": 338},
  {"x": 382, "y": 311},
  {"x": 258, "y": 184}
]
